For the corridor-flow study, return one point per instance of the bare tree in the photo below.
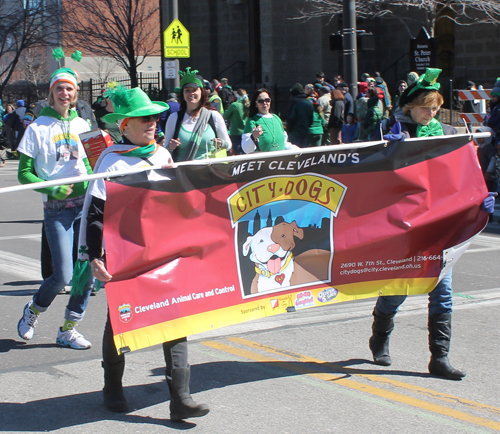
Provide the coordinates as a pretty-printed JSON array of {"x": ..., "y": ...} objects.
[
  {"x": 24, "y": 25},
  {"x": 461, "y": 12},
  {"x": 34, "y": 67},
  {"x": 126, "y": 30},
  {"x": 103, "y": 68}
]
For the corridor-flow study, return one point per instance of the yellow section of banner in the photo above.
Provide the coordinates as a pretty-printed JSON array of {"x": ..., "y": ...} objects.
[
  {"x": 263, "y": 307},
  {"x": 316, "y": 189}
]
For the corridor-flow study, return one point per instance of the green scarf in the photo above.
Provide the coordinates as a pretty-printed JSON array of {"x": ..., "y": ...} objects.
[
  {"x": 433, "y": 129},
  {"x": 49, "y": 111},
  {"x": 141, "y": 151}
]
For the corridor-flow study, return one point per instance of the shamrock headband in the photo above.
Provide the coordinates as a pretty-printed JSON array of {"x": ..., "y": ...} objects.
[
  {"x": 190, "y": 77},
  {"x": 425, "y": 83},
  {"x": 66, "y": 75}
]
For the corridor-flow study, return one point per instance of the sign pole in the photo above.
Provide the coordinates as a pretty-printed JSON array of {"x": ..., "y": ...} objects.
[{"x": 169, "y": 11}]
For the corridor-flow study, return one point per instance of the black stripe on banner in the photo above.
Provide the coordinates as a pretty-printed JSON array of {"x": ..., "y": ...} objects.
[{"x": 327, "y": 160}]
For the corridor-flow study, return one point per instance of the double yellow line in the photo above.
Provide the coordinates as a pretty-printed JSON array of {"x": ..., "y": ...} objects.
[{"x": 359, "y": 386}]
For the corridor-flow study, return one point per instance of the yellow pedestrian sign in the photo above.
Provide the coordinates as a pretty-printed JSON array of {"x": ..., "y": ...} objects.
[{"x": 176, "y": 41}]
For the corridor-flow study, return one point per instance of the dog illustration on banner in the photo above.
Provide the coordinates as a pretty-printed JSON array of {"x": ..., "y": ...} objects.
[
  {"x": 285, "y": 241},
  {"x": 271, "y": 249}
]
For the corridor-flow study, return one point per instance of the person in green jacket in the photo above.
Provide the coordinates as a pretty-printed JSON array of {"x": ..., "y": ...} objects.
[
  {"x": 236, "y": 116},
  {"x": 317, "y": 127},
  {"x": 374, "y": 116}
]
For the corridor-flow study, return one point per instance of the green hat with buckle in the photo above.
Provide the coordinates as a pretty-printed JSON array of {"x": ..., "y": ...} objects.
[{"x": 131, "y": 103}]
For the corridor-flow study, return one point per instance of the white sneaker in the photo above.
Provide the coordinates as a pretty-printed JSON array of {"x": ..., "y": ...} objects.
[
  {"x": 26, "y": 325},
  {"x": 66, "y": 290},
  {"x": 72, "y": 339}
]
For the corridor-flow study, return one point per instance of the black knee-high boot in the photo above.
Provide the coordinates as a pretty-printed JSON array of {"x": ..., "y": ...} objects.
[
  {"x": 383, "y": 325},
  {"x": 439, "y": 345},
  {"x": 114, "y": 365},
  {"x": 178, "y": 373}
]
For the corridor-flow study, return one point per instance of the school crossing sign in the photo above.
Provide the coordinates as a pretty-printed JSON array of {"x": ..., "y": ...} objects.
[{"x": 176, "y": 41}]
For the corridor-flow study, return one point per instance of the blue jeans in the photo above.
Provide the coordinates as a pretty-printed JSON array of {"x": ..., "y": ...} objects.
[
  {"x": 62, "y": 226},
  {"x": 440, "y": 299},
  {"x": 236, "y": 142}
]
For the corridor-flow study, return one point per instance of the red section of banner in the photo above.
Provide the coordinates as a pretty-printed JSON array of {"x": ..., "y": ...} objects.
[{"x": 179, "y": 255}]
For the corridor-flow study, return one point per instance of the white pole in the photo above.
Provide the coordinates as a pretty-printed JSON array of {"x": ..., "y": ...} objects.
[
  {"x": 208, "y": 162},
  {"x": 74, "y": 179}
]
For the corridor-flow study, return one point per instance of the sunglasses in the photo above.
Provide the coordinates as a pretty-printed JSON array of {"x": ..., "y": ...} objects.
[
  {"x": 262, "y": 101},
  {"x": 150, "y": 118}
]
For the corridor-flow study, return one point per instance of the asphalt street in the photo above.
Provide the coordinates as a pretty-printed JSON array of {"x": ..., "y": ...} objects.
[{"x": 303, "y": 372}]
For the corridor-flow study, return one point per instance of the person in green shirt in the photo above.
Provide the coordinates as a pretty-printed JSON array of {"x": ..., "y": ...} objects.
[
  {"x": 237, "y": 115},
  {"x": 264, "y": 130}
]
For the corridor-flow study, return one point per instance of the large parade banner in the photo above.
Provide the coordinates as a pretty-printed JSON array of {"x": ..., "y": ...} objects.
[{"x": 215, "y": 243}]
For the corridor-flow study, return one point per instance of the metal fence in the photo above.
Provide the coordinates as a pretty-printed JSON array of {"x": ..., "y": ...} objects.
[{"x": 149, "y": 83}]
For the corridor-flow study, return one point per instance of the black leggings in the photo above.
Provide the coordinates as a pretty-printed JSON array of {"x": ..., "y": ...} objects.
[{"x": 175, "y": 352}]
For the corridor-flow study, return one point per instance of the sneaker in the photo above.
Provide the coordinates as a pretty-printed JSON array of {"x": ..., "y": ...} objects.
[
  {"x": 72, "y": 339},
  {"x": 66, "y": 290},
  {"x": 26, "y": 325}
]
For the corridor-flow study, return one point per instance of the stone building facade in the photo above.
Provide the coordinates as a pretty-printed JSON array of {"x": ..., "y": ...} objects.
[{"x": 255, "y": 42}]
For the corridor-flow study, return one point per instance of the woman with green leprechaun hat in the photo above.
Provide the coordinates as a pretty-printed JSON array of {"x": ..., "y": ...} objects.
[
  {"x": 415, "y": 117},
  {"x": 197, "y": 131},
  {"x": 49, "y": 150},
  {"x": 137, "y": 117}
]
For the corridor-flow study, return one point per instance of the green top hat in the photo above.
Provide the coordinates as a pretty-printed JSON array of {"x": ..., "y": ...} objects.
[
  {"x": 425, "y": 83},
  {"x": 132, "y": 103}
]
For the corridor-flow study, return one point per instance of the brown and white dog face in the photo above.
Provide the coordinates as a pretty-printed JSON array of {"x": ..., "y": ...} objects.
[
  {"x": 270, "y": 245},
  {"x": 284, "y": 234}
]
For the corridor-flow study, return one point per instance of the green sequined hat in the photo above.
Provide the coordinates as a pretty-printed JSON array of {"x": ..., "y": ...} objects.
[{"x": 425, "y": 83}]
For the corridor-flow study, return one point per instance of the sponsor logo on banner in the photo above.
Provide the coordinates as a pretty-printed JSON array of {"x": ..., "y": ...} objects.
[
  {"x": 304, "y": 299},
  {"x": 283, "y": 228},
  {"x": 125, "y": 313},
  {"x": 327, "y": 295}
]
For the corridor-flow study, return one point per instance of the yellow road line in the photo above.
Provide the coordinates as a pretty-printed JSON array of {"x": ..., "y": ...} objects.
[
  {"x": 371, "y": 377},
  {"x": 351, "y": 384}
]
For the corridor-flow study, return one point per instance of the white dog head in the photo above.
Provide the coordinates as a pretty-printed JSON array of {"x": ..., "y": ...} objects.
[{"x": 264, "y": 250}]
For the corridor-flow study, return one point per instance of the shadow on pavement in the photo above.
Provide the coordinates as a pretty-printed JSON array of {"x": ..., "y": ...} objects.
[
  {"x": 80, "y": 409},
  {"x": 22, "y": 221},
  {"x": 23, "y": 283},
  {"x": 9, "y": 344},
  {"x": 49, "y": 414}
]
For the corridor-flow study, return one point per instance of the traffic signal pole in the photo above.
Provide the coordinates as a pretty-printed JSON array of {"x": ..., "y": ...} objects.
[{"x": 350, "y": 48}]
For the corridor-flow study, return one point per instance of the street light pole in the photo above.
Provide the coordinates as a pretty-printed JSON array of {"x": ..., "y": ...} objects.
[{"x": 350, "y": 49}]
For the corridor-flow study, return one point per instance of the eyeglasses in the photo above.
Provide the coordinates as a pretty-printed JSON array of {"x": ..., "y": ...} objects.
[
  {"x": 150, "y": 118},
  {"x": 262, "y": 101}
]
